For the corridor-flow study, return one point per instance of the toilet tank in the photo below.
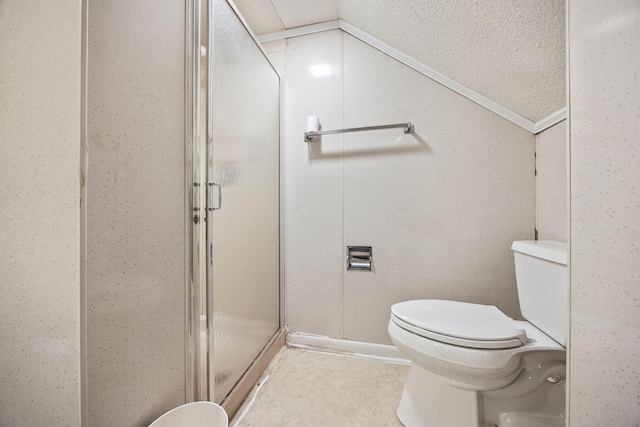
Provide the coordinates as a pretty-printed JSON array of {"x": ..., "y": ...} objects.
[{"x": 543, "y": 290}]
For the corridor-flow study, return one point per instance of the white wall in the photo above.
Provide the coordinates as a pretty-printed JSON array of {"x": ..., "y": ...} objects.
[
  {"x": 40, "y": 75},
  {"x": 135, "y": 262},
  {"x": 604, "y": 89},
  {"x": 313, "y": 188},
  {"x": 440, "y": 208},
  {"x": 551, "y": 183}
]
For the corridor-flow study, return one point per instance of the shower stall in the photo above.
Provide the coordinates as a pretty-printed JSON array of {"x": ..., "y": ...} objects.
[
  {"x": 182, "y": 298},
  {"x": 233, "y": 205}
]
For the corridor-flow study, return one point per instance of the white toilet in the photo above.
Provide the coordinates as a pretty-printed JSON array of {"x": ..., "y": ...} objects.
[{"x": 473, "y": 366}]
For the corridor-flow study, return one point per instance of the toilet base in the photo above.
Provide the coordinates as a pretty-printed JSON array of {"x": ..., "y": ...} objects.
[
  {"x": 428, "y": 402},
  {"x": 531, "y": 400}
]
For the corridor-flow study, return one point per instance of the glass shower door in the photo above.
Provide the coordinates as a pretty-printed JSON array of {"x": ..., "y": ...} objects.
[{"x": 243, "y": 200}]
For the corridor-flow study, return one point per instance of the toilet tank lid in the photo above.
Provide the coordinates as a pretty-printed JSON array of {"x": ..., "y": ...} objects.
[{"x": 544, "y": 249}]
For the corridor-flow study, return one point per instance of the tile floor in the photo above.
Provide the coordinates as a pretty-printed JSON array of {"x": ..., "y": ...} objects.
[{"x": 309, "y": 388}]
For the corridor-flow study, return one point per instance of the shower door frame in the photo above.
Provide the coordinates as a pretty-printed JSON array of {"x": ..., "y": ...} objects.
[
  {"x": 193, "y": 181},
  {"x": 195, "y": 201}
]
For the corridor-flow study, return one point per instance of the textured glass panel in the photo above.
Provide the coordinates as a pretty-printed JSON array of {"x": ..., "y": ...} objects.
[{"x": 244, "y": 233}]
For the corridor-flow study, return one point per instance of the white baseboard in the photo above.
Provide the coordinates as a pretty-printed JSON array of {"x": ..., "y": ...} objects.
[{"x": 387, "y": 353}]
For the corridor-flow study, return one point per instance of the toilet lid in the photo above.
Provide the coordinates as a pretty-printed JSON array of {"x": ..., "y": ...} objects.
[{"x": 459, "y": 323}]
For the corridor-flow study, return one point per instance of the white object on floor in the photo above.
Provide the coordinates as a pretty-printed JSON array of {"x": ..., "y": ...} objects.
[{"x": 196, "y": 414}]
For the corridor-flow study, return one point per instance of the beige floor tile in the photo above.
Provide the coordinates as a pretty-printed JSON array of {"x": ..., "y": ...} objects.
[{"x": 318, "y": 389}]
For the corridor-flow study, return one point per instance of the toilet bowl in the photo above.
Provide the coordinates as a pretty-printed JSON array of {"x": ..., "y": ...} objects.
[{"x": 474, "y": 366}]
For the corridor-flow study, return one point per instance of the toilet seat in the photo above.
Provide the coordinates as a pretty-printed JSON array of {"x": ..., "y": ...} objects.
[{"x": 458, "y": 323}]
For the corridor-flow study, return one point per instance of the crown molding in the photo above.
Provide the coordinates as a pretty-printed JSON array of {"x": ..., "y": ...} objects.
[
  {"x": 409, "y": 61},
  {"x": 300, "y": 31},
  {"x": 550, "y": 120},
  {"x": 418, "y": 66}
]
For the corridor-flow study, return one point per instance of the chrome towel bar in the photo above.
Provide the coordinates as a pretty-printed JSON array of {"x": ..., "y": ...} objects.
[{"x": 408, "y": 128}]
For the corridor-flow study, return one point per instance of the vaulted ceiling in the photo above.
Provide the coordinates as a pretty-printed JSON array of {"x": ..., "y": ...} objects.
[{"x": 511, "y": 51}]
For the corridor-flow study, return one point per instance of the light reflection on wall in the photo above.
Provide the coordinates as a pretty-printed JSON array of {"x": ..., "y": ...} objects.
[{"x": 320, "y": 70}]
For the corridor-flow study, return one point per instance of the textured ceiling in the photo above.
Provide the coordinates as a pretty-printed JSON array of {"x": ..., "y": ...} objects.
[
  {"x": 511, "y": 51},
  {"x": 296, "y": 13},
  {"x": 270, "y": 16},
  {"x": 260, "y": 15}
]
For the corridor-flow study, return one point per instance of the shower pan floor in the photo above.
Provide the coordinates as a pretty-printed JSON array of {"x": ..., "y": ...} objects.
[{"x": 309, "y": 388}]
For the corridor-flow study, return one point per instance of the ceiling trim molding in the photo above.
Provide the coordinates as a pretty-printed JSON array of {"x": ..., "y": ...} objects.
[
  {"x": 418, "y": 66},
  {"x": 300, "y": 31},
  {"x": 551, "y": 120},
  {"x": 409, "y": 61}
]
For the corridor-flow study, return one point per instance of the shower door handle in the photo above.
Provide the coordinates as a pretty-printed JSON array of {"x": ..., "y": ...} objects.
[{"x": 210, "y": 196}]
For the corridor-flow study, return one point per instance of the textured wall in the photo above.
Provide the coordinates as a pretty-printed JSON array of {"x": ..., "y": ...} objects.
[
  {"x": 135, "y": 289},
  {"x": 551, "y": 183},
  {"x": 39, "y": 212},
  {"x": 440, "y": 208},
  {"x": 605, "y": 212},
  {"x": 512, "y": 52},
  {"x": 313, "y": 188}
]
